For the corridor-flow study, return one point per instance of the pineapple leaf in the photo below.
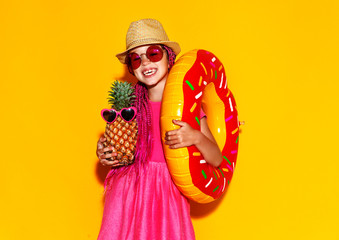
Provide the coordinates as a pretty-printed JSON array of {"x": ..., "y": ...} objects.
[{"x": 121, "y": 95}]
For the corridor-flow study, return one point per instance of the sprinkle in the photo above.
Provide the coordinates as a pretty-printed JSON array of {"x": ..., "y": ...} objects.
[
  {"x": 193, "y": 107},
  {"x": 224, "y": 185},
  {"x": 200, "y": 79},
  {"x": 213, "y": 59},
  {"x": 203, "y": 67},
  {"x": 229, "y": 118},
  {"x": 225, "y": 169},
  {"x": 234, "y": 131},
  {"x": 205, "y": 83},
  {"x": 215, "y": 74},
  {"x": 215, "y": 189},
  {"x": 237, "y": 140},
  {"x": 196, "y": 154},
  {"x": 231, "y": 106},
  {"x": 228, "y": 182},
  {"x": 189, "y": 84},
  {"x": 222, "y": 78},
  {"x": 229, "y": 167},
  {"x": 209, "y": 183},
  {"x": 212, "y": 64},
  {"x": 234, "y": 152},
  {"x": 211, "y": 73},
  {"x": 221, "y": 172},
  {"x": 225, "y": 83},
  {"x": 202, "y": 161},
  {"x": 199, "y": 95},
  {"x": 197, "y": 119},
  {"x": 215, "y": 176},
  {"x": 203, "y": 173},
  {"x": 227, "y": 160},
  {"x": 220, "y": 68},
  {"x": 228, "y": 93}
]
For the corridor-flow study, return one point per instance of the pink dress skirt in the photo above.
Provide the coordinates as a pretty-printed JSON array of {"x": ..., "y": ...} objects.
[{"x": 148, "y": 208}]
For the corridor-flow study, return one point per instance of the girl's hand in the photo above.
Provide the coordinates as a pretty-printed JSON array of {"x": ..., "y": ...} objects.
[
  {"x": 107, "y": 152},
  {"x": 185, "y": 136},
  {"x": 203, "y": 140}
]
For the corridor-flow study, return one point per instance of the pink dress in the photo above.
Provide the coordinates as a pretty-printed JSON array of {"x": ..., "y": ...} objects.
[{"x": 151, "y": 209}]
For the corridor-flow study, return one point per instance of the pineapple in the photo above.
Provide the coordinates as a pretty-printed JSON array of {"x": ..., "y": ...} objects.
[{"x": 120, "y": 134}]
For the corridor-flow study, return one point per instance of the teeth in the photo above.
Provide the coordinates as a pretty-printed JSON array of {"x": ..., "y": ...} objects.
[{"x": 149, "y": 72}]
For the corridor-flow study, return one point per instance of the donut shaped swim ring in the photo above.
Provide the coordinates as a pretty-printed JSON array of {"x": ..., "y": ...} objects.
[{"x": 198, "y": 80}]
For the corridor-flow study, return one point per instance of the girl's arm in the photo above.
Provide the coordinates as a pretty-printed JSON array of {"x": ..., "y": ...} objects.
[{"x": 187, "y": 136}]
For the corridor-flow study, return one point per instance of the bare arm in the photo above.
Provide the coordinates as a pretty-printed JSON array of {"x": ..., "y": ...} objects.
[{"x": 187, "y": 136}]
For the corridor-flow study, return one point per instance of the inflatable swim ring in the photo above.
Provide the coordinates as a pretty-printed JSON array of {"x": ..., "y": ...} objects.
[{"x": 198, "y": 80}]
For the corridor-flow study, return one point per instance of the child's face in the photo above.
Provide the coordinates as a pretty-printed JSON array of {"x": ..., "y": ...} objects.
[{"x": 151, "y": 73}]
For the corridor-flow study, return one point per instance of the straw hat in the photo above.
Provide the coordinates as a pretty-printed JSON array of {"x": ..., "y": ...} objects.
[{"x": 144, "y": 32}]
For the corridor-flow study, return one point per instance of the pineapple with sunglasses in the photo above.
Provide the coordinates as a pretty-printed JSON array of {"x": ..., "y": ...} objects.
[{"x": 121, "y": 128}]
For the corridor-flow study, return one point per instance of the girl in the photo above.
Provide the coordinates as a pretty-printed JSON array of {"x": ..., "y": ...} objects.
[{"x": 141, "y": 200}]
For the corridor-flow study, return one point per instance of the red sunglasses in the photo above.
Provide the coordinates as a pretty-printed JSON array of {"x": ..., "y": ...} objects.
[
  {"x": 154, "y": 53},
  {"x": 128, "y": 114}
]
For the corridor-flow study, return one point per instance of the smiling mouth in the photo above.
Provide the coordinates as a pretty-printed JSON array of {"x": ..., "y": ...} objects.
[{"x": 149, "y": 72}]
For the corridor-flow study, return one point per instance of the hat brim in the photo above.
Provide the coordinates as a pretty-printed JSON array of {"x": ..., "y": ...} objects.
[{"x": 173, "y": 45}]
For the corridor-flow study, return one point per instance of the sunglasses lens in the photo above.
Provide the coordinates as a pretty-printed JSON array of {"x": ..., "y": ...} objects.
[
  {"x": 135, "y": 60},
  {"x": 128, "y": 114},
  {"x": 154, "y": 53},
  {"x": 109, "y": 115}
]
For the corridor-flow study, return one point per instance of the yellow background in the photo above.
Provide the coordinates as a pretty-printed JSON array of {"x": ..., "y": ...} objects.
[{"x": 281, "y": 57}]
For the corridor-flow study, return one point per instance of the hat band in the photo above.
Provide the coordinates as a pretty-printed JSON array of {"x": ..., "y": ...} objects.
[{"x": 145, "y": 40}]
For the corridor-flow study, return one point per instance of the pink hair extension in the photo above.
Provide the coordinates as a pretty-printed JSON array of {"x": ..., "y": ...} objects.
[
  {"x": 144, "y": 146},
  {"x": 144, "y": 119},
  {"x": 170, "y": 56}
]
